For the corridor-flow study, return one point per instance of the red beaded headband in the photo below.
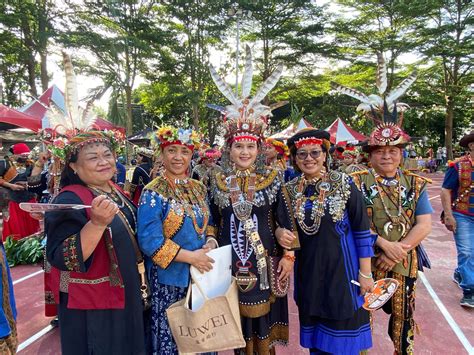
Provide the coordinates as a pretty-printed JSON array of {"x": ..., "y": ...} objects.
[{"x": 308, "y": 141}]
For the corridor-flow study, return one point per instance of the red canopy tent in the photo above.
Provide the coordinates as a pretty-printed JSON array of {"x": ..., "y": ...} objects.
[
  {"x": 12, "y": 117},
  {"x": 341, "y": 132}
]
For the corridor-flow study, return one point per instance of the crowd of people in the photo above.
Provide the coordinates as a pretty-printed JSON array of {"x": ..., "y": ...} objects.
[{"x": 334, "y": 222}]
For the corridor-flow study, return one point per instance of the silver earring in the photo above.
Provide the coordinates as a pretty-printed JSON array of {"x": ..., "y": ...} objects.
[{"x": 75, "y": 172}]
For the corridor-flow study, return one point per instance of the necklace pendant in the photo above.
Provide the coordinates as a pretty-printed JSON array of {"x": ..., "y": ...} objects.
[{"x": 245, "y": 279}]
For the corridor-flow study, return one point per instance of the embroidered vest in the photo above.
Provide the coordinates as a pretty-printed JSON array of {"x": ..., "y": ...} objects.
[
  {"x": 465, "y": 194},
  {"x": 411, "y": 187},
  {"x": 101, "y": 287}
]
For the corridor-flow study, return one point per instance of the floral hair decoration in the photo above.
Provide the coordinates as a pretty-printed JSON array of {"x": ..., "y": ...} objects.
[
  {"x": 210, "y": 153},
  {"x": 168, "y": 135},
  {"x": 63, "y": 147}
]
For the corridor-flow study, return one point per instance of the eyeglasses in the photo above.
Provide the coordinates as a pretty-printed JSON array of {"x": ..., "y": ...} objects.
[{"x": 302, "y": 155}]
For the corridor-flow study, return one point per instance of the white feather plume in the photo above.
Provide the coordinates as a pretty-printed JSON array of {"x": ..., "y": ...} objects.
[
  {"x": 396, "y": 93},
  {"x": 58, "y": 120},
  {"x": 267, "y": 86},
  {"x": 351, "y": 92},
  {"x": 248, "y": 73},
  {"x": 75, "y": 118},
  {"x": 87, "y": 116},
  {"x": 222, "y": 86},
  {"x": 71, "y": 97},
  {"x": 381, "y": 80}
]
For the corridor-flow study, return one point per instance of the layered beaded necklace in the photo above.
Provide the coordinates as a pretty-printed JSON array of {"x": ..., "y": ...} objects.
[
  {"x": 189, "y": 198},
  {"x": 393, "y": 220},
  {"x": 242, "y": 205},
  {"x": 317, "y": 210}
]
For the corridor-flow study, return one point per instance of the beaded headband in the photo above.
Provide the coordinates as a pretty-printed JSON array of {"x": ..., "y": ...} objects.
[{"x": 307, "y": 141}]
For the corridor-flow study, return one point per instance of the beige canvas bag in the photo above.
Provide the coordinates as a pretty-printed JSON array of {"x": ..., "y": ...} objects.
[{"x": 213, "y": 327}]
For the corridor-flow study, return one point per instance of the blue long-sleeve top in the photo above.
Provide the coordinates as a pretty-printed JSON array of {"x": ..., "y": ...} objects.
[
  {"x": 6, "y": 314},
  {"x": 164, "y": 227}
]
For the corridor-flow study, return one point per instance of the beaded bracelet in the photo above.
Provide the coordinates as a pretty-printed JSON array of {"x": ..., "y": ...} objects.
[
  {"x": 366, "y": 276},
  {"x": 290, "y": 257}
]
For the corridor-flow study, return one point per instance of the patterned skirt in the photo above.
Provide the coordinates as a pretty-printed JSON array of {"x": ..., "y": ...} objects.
[
  {"x": 263, "y": 333},
  {"x": 163, "y": 296}
]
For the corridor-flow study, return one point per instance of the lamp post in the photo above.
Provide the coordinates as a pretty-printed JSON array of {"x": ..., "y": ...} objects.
[{"x": 236, "y": 11}]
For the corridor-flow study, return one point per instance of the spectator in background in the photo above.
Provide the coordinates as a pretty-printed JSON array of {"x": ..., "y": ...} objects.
[
  {"x": 439, "y": 157},
  {"x": 121, "y": 173},
  {"x": 457, "y": 197}
]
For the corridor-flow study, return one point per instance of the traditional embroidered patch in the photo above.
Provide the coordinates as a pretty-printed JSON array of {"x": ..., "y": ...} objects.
[
  {"x": 172, "y": 223},
  {"x": 166, "y": 254},
  {"x": 71, "y": 258}
]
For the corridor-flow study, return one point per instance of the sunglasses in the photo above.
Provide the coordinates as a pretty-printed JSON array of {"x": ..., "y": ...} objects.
[{"x": 302, "y": 155}]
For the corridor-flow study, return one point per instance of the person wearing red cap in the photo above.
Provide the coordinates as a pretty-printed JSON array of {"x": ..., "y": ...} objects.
[{"x": 17, "y": 223}]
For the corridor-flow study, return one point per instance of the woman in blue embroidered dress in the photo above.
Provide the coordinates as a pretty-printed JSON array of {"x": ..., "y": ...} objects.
[
  {"x": 336, "y": 248},
  {"x": 172, "y": 221}
]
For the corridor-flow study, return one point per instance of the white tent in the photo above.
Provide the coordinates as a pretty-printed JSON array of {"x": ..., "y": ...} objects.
[{"x": 291, "y": 129}]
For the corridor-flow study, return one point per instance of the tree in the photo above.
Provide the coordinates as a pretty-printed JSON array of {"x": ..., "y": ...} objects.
[
  {"x": 26, "y": 32},
  {"x": 448, "y": 42},
  {"x": 183, "y": 71},
  {"x": 121, "y": 35}
]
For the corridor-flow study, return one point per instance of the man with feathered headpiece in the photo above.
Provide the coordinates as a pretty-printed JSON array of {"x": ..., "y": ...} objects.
[{"x": 397, "y": 203}]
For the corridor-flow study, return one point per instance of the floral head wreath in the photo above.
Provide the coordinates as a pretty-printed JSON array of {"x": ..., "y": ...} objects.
[
  {"x": 75, "y": 128},
  {"x": 168, "y": 135},
  {"x": 383, "y": 109},
  {"x": 246, "y": 118},
  {"x": 209, "y": 153},
  {"x": 281, "y": 147}
]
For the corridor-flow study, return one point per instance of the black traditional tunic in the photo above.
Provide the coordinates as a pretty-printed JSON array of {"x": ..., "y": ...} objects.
[
  {"x": 264, "y": 317},
  {"x": 141, "y": 177},
  {"x": 329, "y": 305},
  {"x": 98, "y": 331}
]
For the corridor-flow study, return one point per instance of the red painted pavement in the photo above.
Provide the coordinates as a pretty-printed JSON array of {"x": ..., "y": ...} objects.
[{"x": 436, "y": 336}]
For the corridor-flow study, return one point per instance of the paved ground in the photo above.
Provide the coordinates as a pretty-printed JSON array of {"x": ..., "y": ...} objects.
[{"x": 445, "y": 327}]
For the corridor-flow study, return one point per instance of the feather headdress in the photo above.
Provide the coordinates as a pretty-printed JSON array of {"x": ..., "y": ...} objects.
[
  {"x": 75, "y": 128},
  {"x": 246, "y": 117},
  {"x": 75, "y": 118},
  {"x": 383, "y": 107}
]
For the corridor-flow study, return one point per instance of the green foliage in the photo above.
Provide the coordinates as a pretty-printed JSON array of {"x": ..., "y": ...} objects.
[
  {"x": 25, "y": 30},
  {"x": 24, "y": 251}
]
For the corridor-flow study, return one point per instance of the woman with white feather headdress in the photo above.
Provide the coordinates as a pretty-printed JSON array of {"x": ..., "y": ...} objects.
[
  {"x": 96, "y": 278},
  {"x": 397, "y": 204},
  {"x": 248, "y": 202}
]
